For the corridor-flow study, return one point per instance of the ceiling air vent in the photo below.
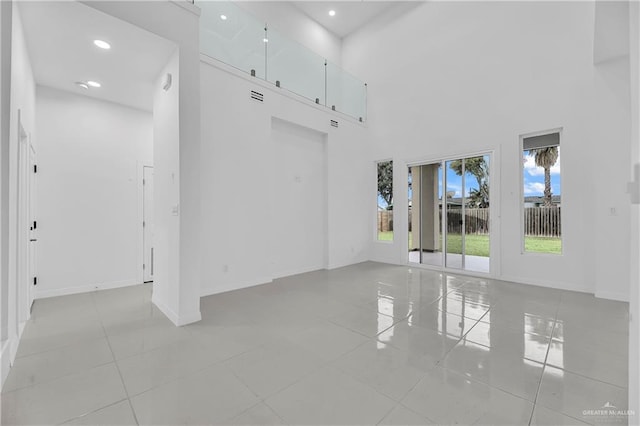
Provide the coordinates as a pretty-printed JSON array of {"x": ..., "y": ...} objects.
[
  {"x": 334, "y": 123},
  {"x": 257, "y": 96}
]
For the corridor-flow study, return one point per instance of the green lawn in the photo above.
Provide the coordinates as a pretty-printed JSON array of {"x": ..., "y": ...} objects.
[
  {"x": 386, "y": 236},
  {"x": 478, "y": 245},
  {"x": 543, "y": 245},
  {"x": 475, "y": 245}
]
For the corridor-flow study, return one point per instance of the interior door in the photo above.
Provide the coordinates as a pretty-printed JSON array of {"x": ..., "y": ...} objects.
[
  {"x": 22, "y": 241},
  {"x": 26, "y": 234},
  {"x": 147, "y": 223},
  {"x": 33, "y": 232}
]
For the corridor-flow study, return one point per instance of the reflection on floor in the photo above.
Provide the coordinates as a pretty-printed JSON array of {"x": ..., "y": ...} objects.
[
  {"x": 366, "y": 344},
  {"x": 471, "y": 263}
]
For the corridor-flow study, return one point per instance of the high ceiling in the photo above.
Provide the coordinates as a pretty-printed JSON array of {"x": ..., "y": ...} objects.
[
  {"x": 59, "y": 36},
  {"x": 349, "y": 17}
]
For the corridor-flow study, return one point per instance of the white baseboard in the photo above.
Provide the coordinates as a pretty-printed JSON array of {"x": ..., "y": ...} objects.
[
  {"x": 297, "y": 271},
  {"x": 5, "y": 361},
  {"x": 518, "y": 280},
  {"x": 235, "y": 286},
  {"x": 16, "y": 342},
  {"x": 189, "y": 318},
  {"x": 43, "y": 294},
  {"x": 612, "y": 296},
  {"x": 337, "y": 265},
  {"x": 388, "y": 260},
  {"x": 8, "y": 352},
  {"x": 178, "y": 320},
  {"x": 548, "y": 284}
]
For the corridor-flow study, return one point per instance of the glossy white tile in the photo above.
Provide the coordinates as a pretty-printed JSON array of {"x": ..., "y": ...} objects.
[
  {"x": 119, "y": 414},
  {"x": 330, "y": 397},
  {"x": 259, "y": 414},
  {"x": 327, "y": 341},
  {"x": 65, "y": 398},
  {"x": 45, "y": 366},
  {"x": 418, "y": 340},
  {"x": 401, "y": 415},
  {"x": 272, "y": 367},
  {"x": 211, "y": 396},
  {"x": 364, "y": 344},
  {"x": 144, "y": 339},
  {"x": 153, "y": 368},
  {"x": 544, "y": 417},
  {"x": 392, "y": 372},
  {"x": 573, "y": 395},
  {"x": 504, "y": 368},
  {"x": 448, "y": 397}
]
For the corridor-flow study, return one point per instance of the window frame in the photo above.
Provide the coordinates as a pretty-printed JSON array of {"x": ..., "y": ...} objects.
[
  {"x": 375, "y": 225},
  {"x": 522, "y": 137}
]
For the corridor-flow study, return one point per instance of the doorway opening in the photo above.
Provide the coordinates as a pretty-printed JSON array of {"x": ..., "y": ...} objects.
[
  {"x": 449, "y": 213},
  {"x": 147, "y": 223}
]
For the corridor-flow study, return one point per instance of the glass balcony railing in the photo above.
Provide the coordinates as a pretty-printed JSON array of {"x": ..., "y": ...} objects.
[{"x": 230, "y": 34}]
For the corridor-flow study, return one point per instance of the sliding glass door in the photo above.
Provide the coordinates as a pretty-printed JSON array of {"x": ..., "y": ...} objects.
[
  {"x": 449, "y": 214},
  {"x": 425, "y": 219}
]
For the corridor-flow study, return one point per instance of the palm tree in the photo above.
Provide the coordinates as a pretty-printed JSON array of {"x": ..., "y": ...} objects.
[
  {"x": 478, "y": 167},
  {"x": 546, "y": 158}
]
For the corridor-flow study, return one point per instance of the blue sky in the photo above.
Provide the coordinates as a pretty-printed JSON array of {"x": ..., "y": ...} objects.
[{"x": 533, "y": 180}]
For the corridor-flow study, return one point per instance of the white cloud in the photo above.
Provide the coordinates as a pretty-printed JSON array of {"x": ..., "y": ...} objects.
[
  {"x": 452, "y": 187},
  {"x": 533, "y": 170},
  {"x": 534, "y": 188}
]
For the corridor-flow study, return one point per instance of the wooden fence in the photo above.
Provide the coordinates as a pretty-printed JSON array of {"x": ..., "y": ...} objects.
[
  {"x": 538, "y": 221},
  {"x": 385, "y": 220},
  {"x": 476, "y": 221},
  {"x": 542, "y": 222}
]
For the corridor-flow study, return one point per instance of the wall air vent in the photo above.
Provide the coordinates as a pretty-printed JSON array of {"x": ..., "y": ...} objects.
[
  {"x": 257, "y": 96},
  {"x": 334, "y": 123}
]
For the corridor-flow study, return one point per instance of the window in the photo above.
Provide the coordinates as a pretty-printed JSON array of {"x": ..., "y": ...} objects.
[
  {"x": 385, "y": 201},
  {"x": 542, "y": 198}
]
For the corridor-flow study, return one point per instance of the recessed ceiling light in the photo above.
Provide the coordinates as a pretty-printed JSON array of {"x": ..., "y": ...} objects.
[
  {"x": 102, "y": 44},
  {"x": 81, "y": 84},
  {"x": 332, "y": 12},
  {"x": 93, "y": 83},
  {"x": 223, "y": 17}
]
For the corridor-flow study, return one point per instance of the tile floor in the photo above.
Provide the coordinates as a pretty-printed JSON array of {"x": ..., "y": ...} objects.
[{"x": 365, "y": 344}]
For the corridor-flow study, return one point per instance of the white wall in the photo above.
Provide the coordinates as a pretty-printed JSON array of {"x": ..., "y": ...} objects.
[
  {"x": 298, "y": 199},
  {"x": 294, "y": 24},
  {"x": 166, "y": 134},
  {"x": 5, "y": 107},
  {"x": 634, "y": 249},
  {"x": 237, "y": 146},
  {"x": 611, "y": 132},
  {"x": 483, "y": 74},
  {"x": 90, "y": 154},
  {"x": 22, "y": 98}
]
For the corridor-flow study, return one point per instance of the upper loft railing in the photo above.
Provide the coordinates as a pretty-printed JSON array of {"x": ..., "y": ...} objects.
[{"x": 230, "y": 34}]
